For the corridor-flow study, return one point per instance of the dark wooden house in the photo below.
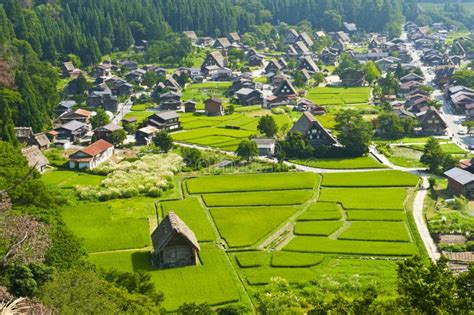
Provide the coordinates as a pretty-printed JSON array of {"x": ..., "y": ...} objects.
[
  {"x": 190, "y": 107},
  {"x": 314, "y": 132},
  {"x": 214, "y": 107},
  {"x": 460, "y": 182},
  {"x": 174, "y": 244},
  {"x": 432, "y": 123},
  {"x": 167, "y": 120}
]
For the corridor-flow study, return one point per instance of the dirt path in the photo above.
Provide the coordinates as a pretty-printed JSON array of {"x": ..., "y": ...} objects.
[{"x": 421, "y": 223}]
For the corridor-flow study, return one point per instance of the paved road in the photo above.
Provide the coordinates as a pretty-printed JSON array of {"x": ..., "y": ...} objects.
[{"x": 421, "y": 223}]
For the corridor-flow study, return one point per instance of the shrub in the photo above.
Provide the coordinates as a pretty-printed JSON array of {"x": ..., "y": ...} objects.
[{"x": 154, "y": 192}]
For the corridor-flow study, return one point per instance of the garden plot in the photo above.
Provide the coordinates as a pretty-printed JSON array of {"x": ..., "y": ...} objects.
[
  {"x": 191, "y": 211},
  {"x": 375, "y": 215},
  {"x": 267, "y": 198},
  {"x": 365, "y": 162},
  {"x": 376, "y": 231},
  {"x": 370, "y": 179},
  {"x": 317, "y": 228},
  {"x": 213, "y": 282},
  {"x": 242, "y": 227},
  {"x": 366, "y": 198},
  {"x": 251, "y": 182},
  {"x": 339, "y": 96},
  {"x": 314, "y": 244}
]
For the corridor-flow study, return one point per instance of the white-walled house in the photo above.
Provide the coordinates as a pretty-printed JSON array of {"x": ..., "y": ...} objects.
[{"x": 92, "y": 156}]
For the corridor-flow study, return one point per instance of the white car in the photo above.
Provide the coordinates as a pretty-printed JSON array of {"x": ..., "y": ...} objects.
[{"x": 461, "y": 132}]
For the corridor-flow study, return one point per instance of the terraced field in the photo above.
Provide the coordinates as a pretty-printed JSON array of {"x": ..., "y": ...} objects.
[{"x": 339, "y": 96}]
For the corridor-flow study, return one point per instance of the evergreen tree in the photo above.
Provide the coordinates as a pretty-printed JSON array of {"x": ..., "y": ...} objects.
[{"x": 7, "y": 128}]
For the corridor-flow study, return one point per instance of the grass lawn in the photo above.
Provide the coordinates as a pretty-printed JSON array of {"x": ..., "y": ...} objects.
[
  {"x": 376, "y": 231},
  {"x": 375, "y": 215},
  {"x": 251, "y": 182},
  {"x": 450, "y": 148},
  {"x": 317, "y": 228},
  {"x": 213, "y": 282},
  {"x": 365, "y": 198},
  {"x": 69, "y": 179},
  {"x": 192, "y": 213},
  {"x": 339, "y": 96},
  {"x": 141, "y": 107},
  {"x": 370, "y": 179},
  {"x": 314, "y": 244},
  {"x": 342, "y": 163},
  {"x": 111, "y": 225},
  {"x": 267, "y": 198}
]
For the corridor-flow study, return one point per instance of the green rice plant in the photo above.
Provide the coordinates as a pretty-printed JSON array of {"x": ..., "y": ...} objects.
[
  {"x": 295, "y": 260},
  {"x": 268, "y": 198},
  {"x": 312, "y": 244},
  {"x": 364, "y": 162},
  {"x": 375, "y": 215},
  {"x": 263, "y": 275},
  {"x": 245, "y": 226},
  {"x": 252, "y": 259},
  {"x": 193, "y": 214},
  {"x": 320, "y": 216},
  {"x": 365, "y": 198},
  {"x": 370, "y": 179},
  {"x": 376, "y": 231},
  {"x": 317, "y": 228},
  {"x": 251, "y": 182}
]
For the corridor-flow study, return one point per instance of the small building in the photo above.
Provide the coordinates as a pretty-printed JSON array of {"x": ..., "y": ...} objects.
[
  {"x": 460, "y": 182},
  {"x": 191, "y": 35},
  {"x": 190, "y": 107},
  {"x": 144, "y": 136},
  {"x": 247, "y": 96},
  {"x": 174, "y": 243},
  {"x": 312, "y": 129},
  {"x": 285, "y": 88},
  {"x": 234, "y": 37},
  {"x": 222, "y": 43},
  {"x": 166, "y": 120},
  {"x": 213, "y": 60},
  {"x": 72, "y": 131},
  {"x": 432, "y": 123},
  {"x": 308, "y": 63},
  {"x": 41, "y": 140},
  {"x": 128, "y": 121},
  {"x": 266, "y": 147},
  {"x": 214, "y": 107},
  {"x": 353, "y": 77},
  {"x": 106, "y": 131},
  {"x": 35, "y": 158},
  {"x": 23, "y": 134},
  {"x": 64, "y": 106},
  {"x": 170, "y": 101},
  {"x": 80, "y": 115},
  {"x": 91, "y": 156}
]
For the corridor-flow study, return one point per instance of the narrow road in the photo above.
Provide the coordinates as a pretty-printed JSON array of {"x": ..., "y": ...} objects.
[{"x": 420, "y": 220}]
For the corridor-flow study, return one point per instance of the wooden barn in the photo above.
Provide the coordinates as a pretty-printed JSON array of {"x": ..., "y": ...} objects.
[{"x": 174, "y": 244}]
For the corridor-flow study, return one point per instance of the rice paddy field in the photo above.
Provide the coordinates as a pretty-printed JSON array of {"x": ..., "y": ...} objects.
[
  {"x": 339, "y": 96},
  {"x": 254, "y": 227},
  {"x": 365, "y": 162}
]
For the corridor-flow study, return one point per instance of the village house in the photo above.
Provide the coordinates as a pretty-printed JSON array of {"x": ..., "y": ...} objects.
[
  {"x": 69, "y": 71},
  {"x": 119, "y": 86},
  {"x": 64, "y": 106},
  {"x": 443, "y": 74},
  {"x": 23, "y": 134},
  {"x": 170, "y": 101},
  {"x": 35, "y": 158},
  {"x": 432, "y": 123},
  {"x": 191, "y": 35},
  {"x": 351, "y": 28},
  {"x": 329, "y": 56},
  {"x": 73, "y": 131},
  {"x": 166, "y": 120},
  {"x": 412, "y": 77},
  {"x": 129, "y": 121},
  {"x": 266, "y": 147},
  {"x": 214, "y": 107},
  {"x": 285, "y": 89},
  {"x": 190, "y": 106},
  {"x": 174, "y": 243},
  {"x": 106, "y": 131},
  {"x": 80, "y": 115},
  {"x": 312, "y": 129},
  {"x": 460, "y": 182},
  {"x": 408, "y": 87},
  {"x": 306, "y": 39},
  {"x": 234, "y": 37},
  {"x": 144, "y": 136},
  {"x": 128, "y": 65},
  {"x": 214, "y": 61},
  {"x": 308, "y": 63},
  {"x": 353, "y": 77},
  {"x": 221, "y": 43},
  {"x": 275, "y": 66},
  {"x": 135, "y": 76},
  {"x": 91, "y": 156},
  {"x": 291, "y": 37},
  {"x": 247, "y": 96}
]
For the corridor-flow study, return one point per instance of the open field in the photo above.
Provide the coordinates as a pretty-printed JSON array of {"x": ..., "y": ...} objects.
[
  {"x": 406, "y": 157},
  {"x": 370, "y": 179},
  {"x": 251, "y": 182},
  {"x": 364, "y": 162},
  {"x": 252, "y": 259},
  {"x": 69, "y": 179},
  {"x": 295, "y": 260},
  {"x": 339, "y": 96},
  {"x": 139, "y": 115},
  {"x": 317, "y": 228},
  {"x": 213, "y": 282},
  {"x": 191, "y": 211},
  {"x": 376, "y": 231},
  {"x": 375, "y": 215},
  {"x": 450, "y": 148},
  {"x": 365, "y": 198},
  {"x": 238, "y": 225},
  {"x": 312, "y": 244},
  {"x": 268, "y": 198}
]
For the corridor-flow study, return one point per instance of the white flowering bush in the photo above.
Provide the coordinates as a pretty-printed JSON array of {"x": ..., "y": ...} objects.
[{"x": 150, "y": 175}]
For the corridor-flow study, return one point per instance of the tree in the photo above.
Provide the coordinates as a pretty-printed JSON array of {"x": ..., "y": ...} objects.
[
  {"x": 230, "y": 109},
  {"x": 100, "y": 119},
  {"x": 191, "y": 156},
  {"x": 299, "y": 79},
  {"x": 117, "y": 137},
  {"x": 433, "y": 155},
  {"x": 163, "y": 141},
  {"x": 7, "y": 128},
  {"x": 390, "y": 126},
  {"x": 296, "y": 145},
  {"x": 318, "y": 78},
  {"x": 372, "y": 73},
  {"x": 194, "y": 309},
  {"x": 354, "y": 132},
  {"x": 247, "y": 149},
  {"x": 268, "y": 126}
]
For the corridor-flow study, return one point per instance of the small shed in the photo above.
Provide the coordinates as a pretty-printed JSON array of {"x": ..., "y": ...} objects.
[
  {"x": 174, "y": 244},
  {"x": 214, "y": 107}
]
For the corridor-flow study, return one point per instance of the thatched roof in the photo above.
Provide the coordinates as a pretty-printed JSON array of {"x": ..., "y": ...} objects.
[
  {"x": 35, "y": 157},
  {"x": 169, "y": 227}
]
